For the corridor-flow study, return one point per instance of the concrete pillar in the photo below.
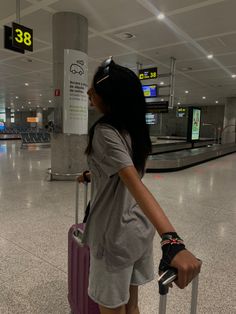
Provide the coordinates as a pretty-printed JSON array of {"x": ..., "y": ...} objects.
[
  {"x": 8, "y": 118},
  {"x": 70, "y": 31},
  {"x": 229, "y": 129}
]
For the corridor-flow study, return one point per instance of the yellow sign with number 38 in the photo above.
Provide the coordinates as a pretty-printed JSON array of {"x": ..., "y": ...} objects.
[{"x": 22, "y": 37}]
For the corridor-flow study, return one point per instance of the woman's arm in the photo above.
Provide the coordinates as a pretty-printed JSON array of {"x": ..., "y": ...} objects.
[
  {"x": 187, "y": 264},
  {"x": 145, "y": 200}
]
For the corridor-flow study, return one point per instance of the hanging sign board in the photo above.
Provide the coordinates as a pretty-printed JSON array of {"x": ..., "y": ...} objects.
[
  {"x": 148, "y": 74},
  {"x": 22, "y": 37},
  {"x": 158, "y": 107},
  {"x": 75, "y": 107},
  {"x": 181, "y": 112},
  {"x": 8, "y": 40}
]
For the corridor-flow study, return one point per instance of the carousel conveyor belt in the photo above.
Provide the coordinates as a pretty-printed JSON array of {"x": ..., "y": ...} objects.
[{"x": 185, "y": 158}]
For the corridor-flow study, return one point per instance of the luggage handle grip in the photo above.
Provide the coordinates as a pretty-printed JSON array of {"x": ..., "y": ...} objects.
[
  {"x": 165, "y": 280},
  {"x": 78, "y": 235}
]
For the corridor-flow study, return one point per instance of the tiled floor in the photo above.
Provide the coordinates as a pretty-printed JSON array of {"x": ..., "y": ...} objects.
[{"x": 35, "y": 216}]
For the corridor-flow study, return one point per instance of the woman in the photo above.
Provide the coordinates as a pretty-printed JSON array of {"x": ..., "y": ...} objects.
[{"x": 124, "y": 215}]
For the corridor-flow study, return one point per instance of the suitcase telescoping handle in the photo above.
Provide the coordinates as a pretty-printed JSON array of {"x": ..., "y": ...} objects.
[
  {"x": 77, "y": 197},
  {"x": 168, "y": 277},
  {"x": 78, "y": 233}
]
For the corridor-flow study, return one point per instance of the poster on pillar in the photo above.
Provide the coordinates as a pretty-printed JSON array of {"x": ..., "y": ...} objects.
[{"x": 75, "y": 107}]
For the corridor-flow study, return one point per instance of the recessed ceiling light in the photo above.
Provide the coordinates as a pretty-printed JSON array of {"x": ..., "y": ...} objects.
[
  {"x": 40, "y": 95},
  {"x": 29, "y": 102},
  {"x": 26, "y": 84},
  {"x": 125, "y": 35},
  {"x": 162, "y": 83},
  {"x": 210, "y": 56},
  {"x": 186, "y": 92},
  {"x": 162, "y": 99},
  {"x": 203, "y": 97},
  {"x": 17, "y": 97},
  {"x": 161, "y": 16},
  {"x": 179, "y": 103},
  {"x": 217, "y": 101},
  {"x": 26, "y": 60},
  {"x": 233, "y": 75},
  {"x": 186, "y": 69},
  {"x": 50, "y": 101}
]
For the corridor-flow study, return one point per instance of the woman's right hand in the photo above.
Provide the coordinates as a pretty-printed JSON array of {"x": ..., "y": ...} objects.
[
  {"x": 80, "y": 179},
  {"x": 188, "y": 267},
  {"x": 84, "y": 177}
]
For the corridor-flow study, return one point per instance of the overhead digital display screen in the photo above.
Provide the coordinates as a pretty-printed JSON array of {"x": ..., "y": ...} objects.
[
  {"x": 148, "y": 74},
  {"x": 181, "y": 112},
  {"x": 150, "y": 90},
  {"x": 151, "y": 118}
]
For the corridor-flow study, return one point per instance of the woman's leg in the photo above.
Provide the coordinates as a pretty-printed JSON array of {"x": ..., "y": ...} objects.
[
  {"x": 119, "y": 310},
  {"x": 132, "y": 305}
]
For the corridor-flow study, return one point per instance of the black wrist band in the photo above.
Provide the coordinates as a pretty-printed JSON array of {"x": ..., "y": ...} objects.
[
  {"x": 86, "y": 179},
  {"x": 172, "y": 244}
]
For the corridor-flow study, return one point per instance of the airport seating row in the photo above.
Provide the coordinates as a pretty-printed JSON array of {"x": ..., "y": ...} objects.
[
  {"x": 34, "y": 138},
  {"x": 18, "y": 130}
]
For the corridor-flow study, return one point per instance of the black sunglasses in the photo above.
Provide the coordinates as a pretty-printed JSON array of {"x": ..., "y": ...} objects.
[{"x": 106, "y": 68}]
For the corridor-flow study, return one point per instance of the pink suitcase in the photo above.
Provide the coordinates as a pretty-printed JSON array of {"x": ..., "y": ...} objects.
[{"x": 78, "y": 267}]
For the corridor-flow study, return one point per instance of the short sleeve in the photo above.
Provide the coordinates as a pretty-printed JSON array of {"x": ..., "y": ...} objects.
[{"x": 110, "y": 150}]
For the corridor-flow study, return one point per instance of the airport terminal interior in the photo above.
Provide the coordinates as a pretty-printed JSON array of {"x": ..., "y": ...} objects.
[{"x": 184, "y": 53}]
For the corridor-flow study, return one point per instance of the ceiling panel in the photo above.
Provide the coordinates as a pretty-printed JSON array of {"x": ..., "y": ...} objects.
[
  {"x": 149, "y": 35},
  {"x": 41, "y": 23},
  {"x": 178, "y": 51},
  {"x": 196, "y": 23},
  {"x": 27, "y": 67},
  {"x": 45, "y": 55},
  {"x": 7, "y": 70},
  {"x": 228, "y": 59},
  {"x": 214, "y": 75},
  {"x": 132, "y": 60},
  {"x": 170, "y": 5},
  {"x": 100, "y": 14},
  {"x": 219, "y": 45},
  {"x": 8, "y": 7},
  {"x": 194, "y": 64},
  {"x": 101, "y": 48}
]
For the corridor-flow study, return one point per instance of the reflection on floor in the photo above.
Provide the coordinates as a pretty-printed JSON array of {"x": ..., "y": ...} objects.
[{"x": 35, "y": 216}]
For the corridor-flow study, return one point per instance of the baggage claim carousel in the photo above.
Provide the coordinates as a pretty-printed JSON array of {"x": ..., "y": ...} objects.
[{"x": 172, "y": 153}]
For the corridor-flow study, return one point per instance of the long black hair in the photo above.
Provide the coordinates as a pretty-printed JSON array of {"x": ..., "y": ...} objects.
[{"x": 122, "y": 95}]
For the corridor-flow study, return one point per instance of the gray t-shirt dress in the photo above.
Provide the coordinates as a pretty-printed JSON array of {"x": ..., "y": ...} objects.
[{"x": 116, "y": 230}]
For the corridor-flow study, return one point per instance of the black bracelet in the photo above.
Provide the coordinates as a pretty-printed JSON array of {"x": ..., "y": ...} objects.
[
  {"x": 86, "y": 179},
  {"x": 172, "y": 244}
]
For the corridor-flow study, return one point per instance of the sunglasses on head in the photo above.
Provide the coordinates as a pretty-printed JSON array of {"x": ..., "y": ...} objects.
[{"x": 106, "y": 68}]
